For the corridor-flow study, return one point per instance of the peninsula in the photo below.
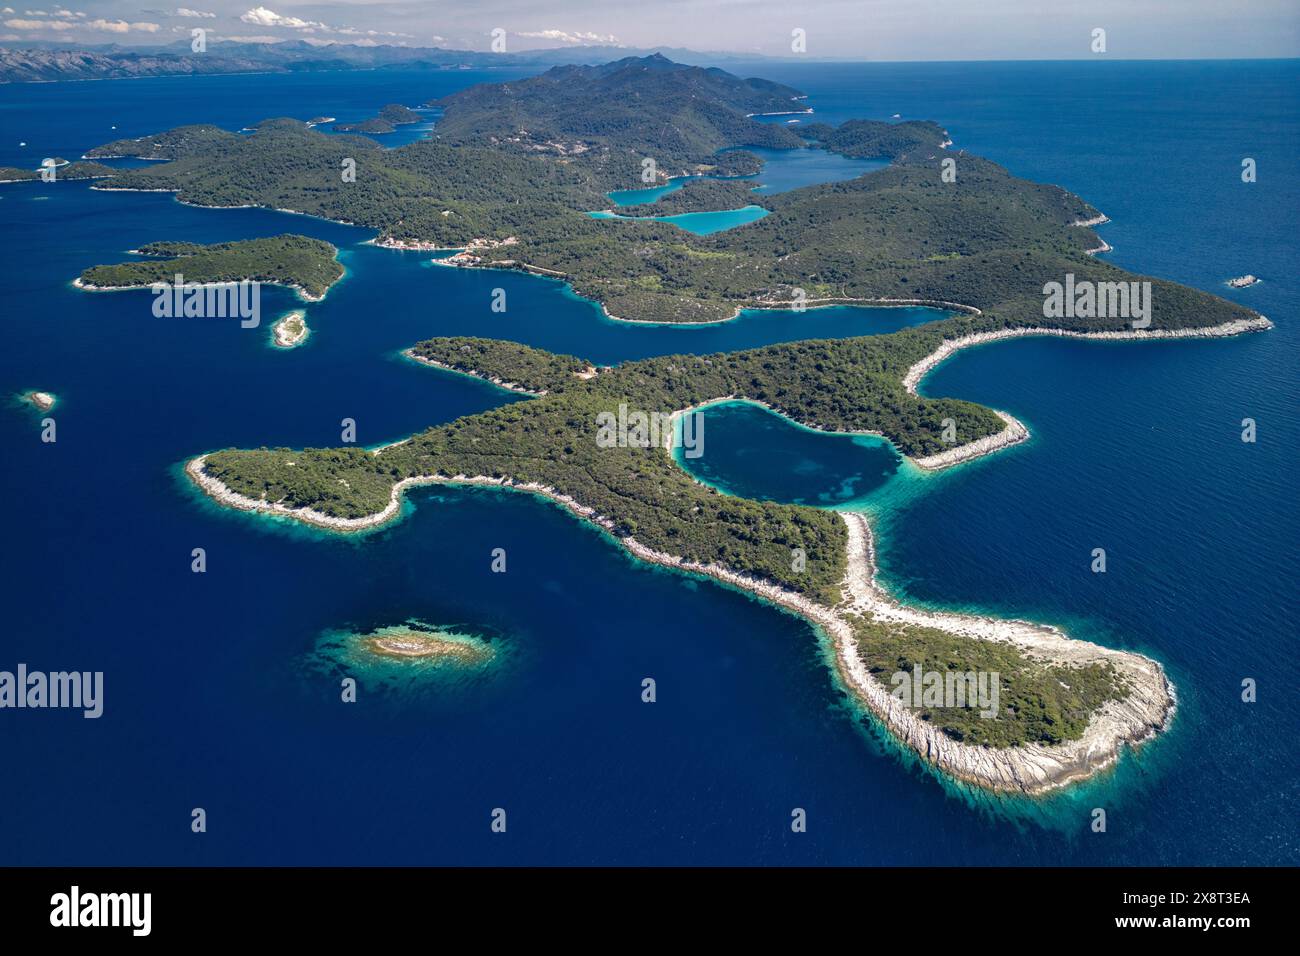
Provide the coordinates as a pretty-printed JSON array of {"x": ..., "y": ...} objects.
[
  {"x": 509, "y": 177},
  {"x": 70, "y": 171},
  {"x": 390, "y": 117},
  {"x": 306, "y": 265}
]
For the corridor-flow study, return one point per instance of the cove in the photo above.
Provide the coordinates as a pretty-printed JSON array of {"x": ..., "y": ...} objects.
[
  {"x": 783, "y": 170},
  {"x": 750, "y": 451}
]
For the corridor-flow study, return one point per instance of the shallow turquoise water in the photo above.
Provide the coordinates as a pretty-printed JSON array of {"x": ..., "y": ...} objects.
[{"x": 700, "y": 223}]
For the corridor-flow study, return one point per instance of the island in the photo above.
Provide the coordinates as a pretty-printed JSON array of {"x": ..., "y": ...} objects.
[
  {"x": 416, "y": 642},
  {"x": 306, "y": 265},
  {"x": 290, "y": 330},
  {"x": 509, "y": 178},
  {"x": 390, "y": 117},
  {"x": 164, "y": 146},
  {"x": 63, "y": 170},
  {"x": 1242, "y": 282}
]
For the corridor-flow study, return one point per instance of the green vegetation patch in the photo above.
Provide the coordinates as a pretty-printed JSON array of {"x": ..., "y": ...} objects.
[
  {"x": 1037, "y": 702},
  {"x": 534, "y": 369},
  {"x": 296, "y": 261},
  {"x": 706, "y": 195},
  {"x": 389, "y": 118}
]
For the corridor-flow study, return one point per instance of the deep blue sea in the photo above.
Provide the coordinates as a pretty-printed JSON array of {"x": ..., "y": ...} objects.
[{"x": 221, "y": 690}]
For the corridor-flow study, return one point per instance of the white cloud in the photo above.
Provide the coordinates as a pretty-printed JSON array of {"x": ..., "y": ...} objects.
[
  {"x": 262, "y": 17},
  {"x": 119, "y": 26},
  {"x": 198, "y": 14},
  {"x": 104, "y": 26},
  {"x": 563, "y": 36},
  {"x": 39, "y": 24}
]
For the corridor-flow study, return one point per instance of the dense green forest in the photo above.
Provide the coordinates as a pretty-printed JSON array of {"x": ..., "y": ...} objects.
[
  {"x": 872, "y": 139},
  {"x": 390, "y": 117},
  {"x": 988, "y": 240},
  {"x": 173, "y": 144},
  {"x": 533, "y": 369},
  {"x": 296, "y": 261},
  {"x": 849, "y": 384},
  {"x": 620, "y": 113},
  {"x": 77, "y": 170},
  {"x": 1037, "y": 702},
  {"x": 552, "y": 440}
]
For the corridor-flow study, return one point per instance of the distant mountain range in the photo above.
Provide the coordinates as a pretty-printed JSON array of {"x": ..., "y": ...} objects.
[
  {"x": 49, "y": 62},
  {"x": 34, "y": 66}
]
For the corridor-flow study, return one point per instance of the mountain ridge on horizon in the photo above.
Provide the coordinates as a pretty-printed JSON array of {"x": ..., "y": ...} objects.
[{"x": 51, "y": 61}]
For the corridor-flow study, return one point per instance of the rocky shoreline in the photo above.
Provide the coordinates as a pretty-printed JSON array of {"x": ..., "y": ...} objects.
[
  {"x": 1096, "y": 220},
  {"x": 1013, "y": 434},
  {"x": 1029, "y": 769},
  {"x": 290, "y": 330},
  {"x": 84, "y": 286},
  {"x": 474, "y": 373},
  {"x": 42, "y": 401}
]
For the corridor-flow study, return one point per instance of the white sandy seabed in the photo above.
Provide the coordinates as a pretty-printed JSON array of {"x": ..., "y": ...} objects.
[{"x": 1145, "y": 711}]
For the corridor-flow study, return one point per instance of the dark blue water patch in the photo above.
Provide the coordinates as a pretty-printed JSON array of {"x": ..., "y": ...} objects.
[
  {"x": 351, "y": 365},
  {"x": 208, "y": 383},
  {"x": 210, "y": 700},
  {"x": 402, "y": 135},
  {"x": 786, "y": 169},
  {"x": 66, "y": 119},
  {"x": 783, "y": 170},
  {"x": 752, "y": 452}
]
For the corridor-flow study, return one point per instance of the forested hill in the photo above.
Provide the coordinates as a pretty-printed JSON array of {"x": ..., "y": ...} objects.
[
  {"x": 649, "y": 106},
  {"x": 980, "y": 237}
]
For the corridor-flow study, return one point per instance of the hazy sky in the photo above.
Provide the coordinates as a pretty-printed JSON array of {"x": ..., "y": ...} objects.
[{"x": 845, "y": 29}]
